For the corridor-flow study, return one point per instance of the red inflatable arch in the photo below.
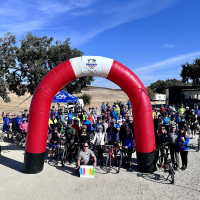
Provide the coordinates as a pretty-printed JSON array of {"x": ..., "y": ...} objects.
[{"x": 89, "y": 66}]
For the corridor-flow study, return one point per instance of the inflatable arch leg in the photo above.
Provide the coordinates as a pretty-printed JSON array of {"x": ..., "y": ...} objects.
[{"x": 89, "y": 66}]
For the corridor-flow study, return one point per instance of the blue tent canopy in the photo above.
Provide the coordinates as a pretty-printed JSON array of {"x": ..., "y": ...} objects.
[{"x": 64, "y": 97}]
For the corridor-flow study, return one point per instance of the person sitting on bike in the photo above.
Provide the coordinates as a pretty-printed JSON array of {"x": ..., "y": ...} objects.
[
  {"x": 69, "y": 136},
  {"x": 112, "y": 134},
  {"x": 6, "y": 124},
  {"x": 163, "y": 137},
  {"x": 55, "y": 139},
  {"x": 84, "y": 157},
  {"x": 83, "y": 135}
]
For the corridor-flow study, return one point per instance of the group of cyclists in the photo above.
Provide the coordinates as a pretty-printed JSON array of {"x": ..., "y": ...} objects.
[
  {"x": 15, "y": 126},
  {"x": 79, "y": 132},
  {"x": 87, "y": 130},
  {"x": 174, "y": 127}
]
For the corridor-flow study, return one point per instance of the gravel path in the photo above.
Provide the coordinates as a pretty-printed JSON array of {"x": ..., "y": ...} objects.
[{"x": 55, "y": 182}]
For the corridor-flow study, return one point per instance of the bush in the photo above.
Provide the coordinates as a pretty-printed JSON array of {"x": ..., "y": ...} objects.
[{"x": 86, "y": 99}]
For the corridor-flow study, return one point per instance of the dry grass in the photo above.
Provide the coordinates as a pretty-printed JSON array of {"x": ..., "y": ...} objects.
[{"x": 98, "y": 96}]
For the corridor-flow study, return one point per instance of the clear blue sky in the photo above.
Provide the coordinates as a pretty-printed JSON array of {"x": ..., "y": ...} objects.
[{"x": 151, "y": 37}]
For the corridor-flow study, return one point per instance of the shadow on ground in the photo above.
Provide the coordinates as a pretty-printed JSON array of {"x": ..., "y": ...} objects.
[{"x": 11, "y": 163}]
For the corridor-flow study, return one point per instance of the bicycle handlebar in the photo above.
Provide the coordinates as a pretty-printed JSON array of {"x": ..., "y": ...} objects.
[{"x": 162, "y": 146}]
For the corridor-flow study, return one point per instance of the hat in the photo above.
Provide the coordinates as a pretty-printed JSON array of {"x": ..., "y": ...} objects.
[
  {"x": 100, "y": 127},
  {"x": 173, "y": 126},
  {"x": 24, "y": 119},
  {"x": 192, "y": 110},
  {"x": 19, "y": 114},
  {"x": 84, "y": 126},
  {"x": 112, "y": 121}
]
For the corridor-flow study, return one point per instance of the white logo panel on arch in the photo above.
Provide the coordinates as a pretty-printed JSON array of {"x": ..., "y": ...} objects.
[{"x": 91, "y": 66}]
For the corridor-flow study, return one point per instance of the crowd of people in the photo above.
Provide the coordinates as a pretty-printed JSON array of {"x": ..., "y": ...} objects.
[
  {"x": 175, "y": 127},
  {"x": 113, "y": 125}
]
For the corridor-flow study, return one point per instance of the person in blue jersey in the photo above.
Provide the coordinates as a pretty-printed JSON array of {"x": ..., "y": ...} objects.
[
  {"x": 103, "y": 107},
  {"x": 88, "y": 123},
  {"x": 129, "y": 146},
  {"x": 54, "y": 141},
  {"x": 98, "y": 123},
  {"x": 19, "y": 120},
  {"x": 166, "y": 120},
  {"x": 183, "y": 141},
  {"x": 6, "y": 124},
  {"x": 70, "y": 115},
  {"x": 113, "y": 113}
]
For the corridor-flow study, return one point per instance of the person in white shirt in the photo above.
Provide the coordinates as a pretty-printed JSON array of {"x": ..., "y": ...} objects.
[{"x": 99, "y": 141}]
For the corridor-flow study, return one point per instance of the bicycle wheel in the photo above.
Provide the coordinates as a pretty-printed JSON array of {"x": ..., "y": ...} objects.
[
  {"x": 57, "y": 155},
  {"x": 108, "y": 164},
  {"x": 63, "y": 160},
  {"x": 171, "y": 173},
  {"x": 198, "y": 145},
  {"x": 119, "y": 162}
]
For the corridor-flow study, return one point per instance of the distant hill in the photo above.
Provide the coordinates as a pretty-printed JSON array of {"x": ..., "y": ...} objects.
[{"x": 99, "y": 95}]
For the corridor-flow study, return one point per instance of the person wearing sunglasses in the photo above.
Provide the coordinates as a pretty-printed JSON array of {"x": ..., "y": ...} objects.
[{"x": 85, "y": 157}]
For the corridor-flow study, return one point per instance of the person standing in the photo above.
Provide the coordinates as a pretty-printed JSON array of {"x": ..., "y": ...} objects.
[
  {"x": 112, "y": 134},
  {"x": 183, "y": 141},
  {"x": 174, "y": 150},
  {"x": 6, "y": 124}
]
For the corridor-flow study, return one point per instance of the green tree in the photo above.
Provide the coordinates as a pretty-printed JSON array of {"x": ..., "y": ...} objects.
[
  {"x": 160, "y": 86},
  {"x": 86, "y": 99},
  {"x": 22, "y": 68},
  {"x": 150, "y": 92},
  {"x": 191, "y": 72}
]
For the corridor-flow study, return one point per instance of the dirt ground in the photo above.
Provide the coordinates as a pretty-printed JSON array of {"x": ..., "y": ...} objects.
[{"x": 57, "y": 182}]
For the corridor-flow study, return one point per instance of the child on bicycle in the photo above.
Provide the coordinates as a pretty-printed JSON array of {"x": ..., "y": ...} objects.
[{"x": 55, "y": 139}]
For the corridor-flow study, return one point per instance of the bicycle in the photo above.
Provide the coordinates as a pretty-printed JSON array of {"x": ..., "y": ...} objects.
[
  {"x": 98, "y": 151},
  {"x": 167, "y": 163},
  {"x": 198, "y": 143},
  {"x": 113, "y": 156}
]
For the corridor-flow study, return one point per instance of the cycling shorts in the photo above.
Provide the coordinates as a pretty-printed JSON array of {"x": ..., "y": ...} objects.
[
  {"x": 52, "y": 146},
  {"x": 6, "y": 128}
]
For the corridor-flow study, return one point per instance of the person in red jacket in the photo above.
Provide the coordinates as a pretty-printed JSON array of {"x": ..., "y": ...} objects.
[{"x": 162, "y": 111}]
